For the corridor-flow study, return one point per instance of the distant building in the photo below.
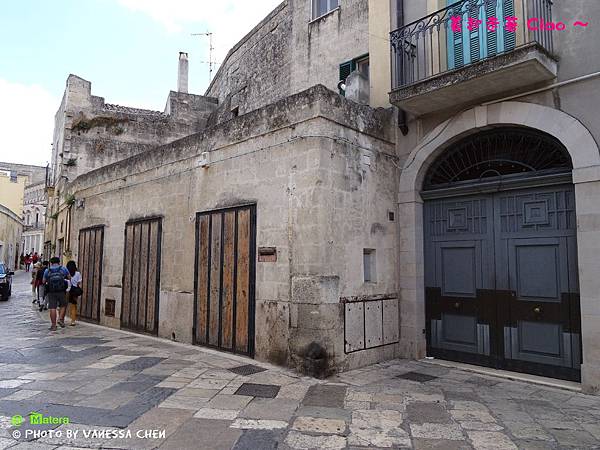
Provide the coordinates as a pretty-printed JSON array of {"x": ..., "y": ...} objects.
[
  {"x": 12, "y": 189},
  {"x": 15, "y": 182},
  {"x": 34, "y": 217},
  {"x": 10, "y": 237},
  {"x": 326, "y": 206}
]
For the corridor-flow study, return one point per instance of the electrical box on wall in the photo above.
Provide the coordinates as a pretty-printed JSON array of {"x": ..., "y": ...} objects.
[
  {"x": 267, "y": 254},
  {"x": 204, "y": 160}
]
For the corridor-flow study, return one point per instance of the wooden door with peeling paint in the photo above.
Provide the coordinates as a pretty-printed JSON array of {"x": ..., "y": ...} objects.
[
  {"x": 224, "y": 279},
  {"x": 89, "y": 262},
  {"x": 141, "y": 275}
]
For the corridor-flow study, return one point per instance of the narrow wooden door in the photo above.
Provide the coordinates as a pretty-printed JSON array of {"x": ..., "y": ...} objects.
[
  {"x": 224, "y": 279},
  {"x": 141, "y": 275},
  {"x": 91, "y": 245}
]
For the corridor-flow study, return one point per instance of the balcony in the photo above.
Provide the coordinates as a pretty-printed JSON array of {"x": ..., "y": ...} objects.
[
  {"x": 39, "y": 226},
  {"x": 471, "y": 52}
]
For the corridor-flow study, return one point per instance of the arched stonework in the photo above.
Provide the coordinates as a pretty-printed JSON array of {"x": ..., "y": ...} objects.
[{"x": 585, "y": 157}]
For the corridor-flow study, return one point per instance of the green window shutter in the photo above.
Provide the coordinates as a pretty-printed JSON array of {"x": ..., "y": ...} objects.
[
  {"x": 346, "y": 69},
  {"x": 510, "y": 38},
  {"x": 475, "y": 36},
  {"x": 492, "y": 36},
  {"x": 455, "y": 40}
]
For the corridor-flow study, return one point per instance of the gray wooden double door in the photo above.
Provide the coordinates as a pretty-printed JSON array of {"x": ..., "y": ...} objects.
[{"x": 501, "y": 280}]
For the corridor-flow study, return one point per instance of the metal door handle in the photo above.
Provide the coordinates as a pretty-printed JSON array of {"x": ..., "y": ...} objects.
[
  {"x": 457, "y": 305},
  {"x": 537, "y": 309}
]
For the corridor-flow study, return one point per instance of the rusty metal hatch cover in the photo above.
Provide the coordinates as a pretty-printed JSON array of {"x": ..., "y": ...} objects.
[
  {"x": 417, "y": 376},
  {"x": 248, "y": 369},
  {"x": 258, "y": 390}
]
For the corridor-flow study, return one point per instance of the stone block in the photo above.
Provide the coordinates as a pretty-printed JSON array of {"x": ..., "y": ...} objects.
[{"x": 315, "y": 289}]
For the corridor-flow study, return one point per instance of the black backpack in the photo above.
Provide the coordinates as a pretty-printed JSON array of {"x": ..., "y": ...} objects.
[{"x": 56, "y": 280}]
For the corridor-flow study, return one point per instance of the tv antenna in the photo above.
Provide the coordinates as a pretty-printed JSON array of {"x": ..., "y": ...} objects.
[{"x": 210, "y": 61}]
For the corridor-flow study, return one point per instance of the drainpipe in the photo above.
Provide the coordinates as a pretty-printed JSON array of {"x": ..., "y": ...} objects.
[{"x": 402, "y": 123}]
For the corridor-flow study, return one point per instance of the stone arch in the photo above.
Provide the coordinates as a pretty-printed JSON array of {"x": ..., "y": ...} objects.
[{"x": 585, "y": 156}]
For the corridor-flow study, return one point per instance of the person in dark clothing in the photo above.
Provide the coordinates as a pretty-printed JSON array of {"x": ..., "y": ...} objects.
[{"x": 56, "y": 279}]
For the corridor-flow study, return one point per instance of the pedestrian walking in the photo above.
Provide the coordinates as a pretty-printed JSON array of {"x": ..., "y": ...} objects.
[
  {"x": 27, "y": 262},
  {"x": 34, "y": 271},
  {"x": 75, "y": 290},
  {"x": 56, "y": 279},
  {"x": 41, "y": 294},
  {"x": 35, "y": 258}
]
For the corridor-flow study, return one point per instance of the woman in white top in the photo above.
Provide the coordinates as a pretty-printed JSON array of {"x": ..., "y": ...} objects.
[{"x": 74, "y": 290}]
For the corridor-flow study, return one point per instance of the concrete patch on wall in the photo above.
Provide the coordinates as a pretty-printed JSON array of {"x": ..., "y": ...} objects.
[
  {"x": 274, "y": 317},
  {"x": 315, "y": 289},
  {"x": 175, "y": 320}
]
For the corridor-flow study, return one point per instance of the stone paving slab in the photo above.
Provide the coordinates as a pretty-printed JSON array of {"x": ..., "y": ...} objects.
[{"x": 104, "y": 380}]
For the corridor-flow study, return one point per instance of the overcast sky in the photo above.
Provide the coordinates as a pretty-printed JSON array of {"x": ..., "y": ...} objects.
[{"x": 128, "y": 49}]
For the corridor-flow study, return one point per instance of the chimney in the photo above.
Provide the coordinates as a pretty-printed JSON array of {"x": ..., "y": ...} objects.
[{"x": 182, "y": 76}]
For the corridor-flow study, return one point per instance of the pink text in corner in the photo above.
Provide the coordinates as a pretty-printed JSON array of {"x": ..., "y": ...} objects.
[{"x": 511, "y": 23}]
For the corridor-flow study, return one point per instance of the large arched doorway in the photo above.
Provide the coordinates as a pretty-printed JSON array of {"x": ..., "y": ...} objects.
[{"x": 501, "y": 273}]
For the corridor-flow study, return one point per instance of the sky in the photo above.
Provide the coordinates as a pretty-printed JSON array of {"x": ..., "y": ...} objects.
[{"x": 128, "y": 49}]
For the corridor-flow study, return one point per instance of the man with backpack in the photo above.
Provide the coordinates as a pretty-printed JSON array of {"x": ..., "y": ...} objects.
[{"x": 55, "y": 280}]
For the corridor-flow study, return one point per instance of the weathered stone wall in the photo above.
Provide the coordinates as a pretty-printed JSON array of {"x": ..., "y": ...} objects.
[
  {"x": 90, "y": 133},
  {"x": 301, "y": 160},
  {"x": 287, "y": 53},
  {"x": 320, "y": 46},
  {"x": 256, "y": 71}
]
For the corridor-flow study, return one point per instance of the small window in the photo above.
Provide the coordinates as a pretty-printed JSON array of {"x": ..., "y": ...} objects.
[
  {"x": 369, "y": 259},
  {"x": 346, "y": 68},
  {"x": 13, "y": 176},
  {"x": 322, "y": 7},
  {"x": 362, "y": 65}
]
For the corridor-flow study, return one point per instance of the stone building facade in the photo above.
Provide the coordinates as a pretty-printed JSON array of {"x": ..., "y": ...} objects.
[
  {"x": 11, "y": 228},
  {"x": 518, "y": 289},
  {"x": 334, "y": 226},
  {"x": 17, "y": 183}
]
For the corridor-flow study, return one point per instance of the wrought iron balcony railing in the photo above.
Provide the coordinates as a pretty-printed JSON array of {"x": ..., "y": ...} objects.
[{"x": 465, "y": 33}]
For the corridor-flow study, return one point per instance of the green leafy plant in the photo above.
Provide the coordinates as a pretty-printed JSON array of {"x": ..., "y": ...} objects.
[
  {"x": 70, "y": 200},
  {"x": 83, "y": 124},
  {"x": 71, "y": 162}
]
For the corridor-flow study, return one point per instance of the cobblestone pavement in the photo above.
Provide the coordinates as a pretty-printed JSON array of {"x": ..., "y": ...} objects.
[{"x": 108, "y": 382}]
